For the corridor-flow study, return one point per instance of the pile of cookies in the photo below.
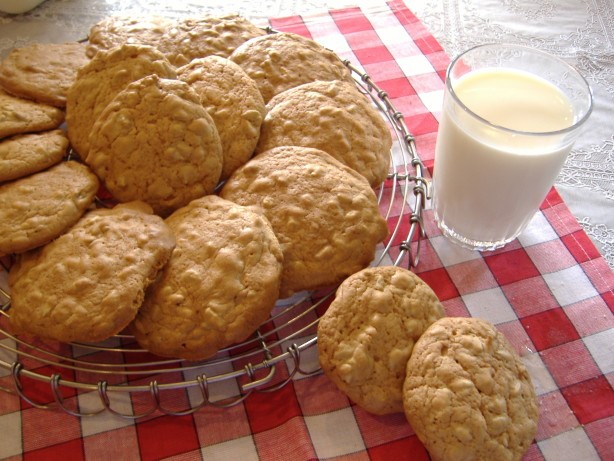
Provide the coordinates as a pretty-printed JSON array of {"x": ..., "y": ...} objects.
[
  {"x": 387, "y": 344},
  {"x": 240, "y": 167}
]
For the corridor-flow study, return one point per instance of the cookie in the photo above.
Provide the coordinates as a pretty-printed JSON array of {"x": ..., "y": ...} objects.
[
  {"x": 18, "y": 115},
  {"x": 282, "y": 60},
  {"x": 468, "y": 395},
  {"x": 88, "y": 284},
  {"x": 220, "y": 284},
  {"x": 24, "y": 154},
  {"x": 367, "y": 334},
  {"x": 234, "y": 102},
  {"x": 324, "y": 214},
  {"x": 333, "y": 117},
  {"x": 38, "y": 208},
  {"x": 192, "y": 38},
  {"x": 99, "y": 81},
  {"x": 117, "y": 30},
  {"x": 42, "y": 72},
  {"x": 156, "y": 143}
]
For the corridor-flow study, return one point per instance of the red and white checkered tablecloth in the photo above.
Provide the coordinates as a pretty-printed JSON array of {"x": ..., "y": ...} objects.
[{"x": 550, "y": 292}]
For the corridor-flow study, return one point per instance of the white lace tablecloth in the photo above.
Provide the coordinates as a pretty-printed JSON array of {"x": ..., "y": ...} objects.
[{"x": 580, "y": 31}]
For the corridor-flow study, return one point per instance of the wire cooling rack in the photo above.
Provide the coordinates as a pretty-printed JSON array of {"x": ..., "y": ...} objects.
[{"x": 119, "y": 377}]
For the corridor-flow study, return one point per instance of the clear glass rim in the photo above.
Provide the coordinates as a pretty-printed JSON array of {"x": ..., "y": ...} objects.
[{"x": 571, "y": 68}]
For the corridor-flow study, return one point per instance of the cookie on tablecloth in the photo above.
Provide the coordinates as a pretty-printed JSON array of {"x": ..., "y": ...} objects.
[
  {"x": 24, "y": 154},
  {"x": 192, "y": 38},
  {"x": 220, "y": 284},
  {"x": 324, "y": 214},
  {"x": 89, "y": 283},
  {"x": 367, "y": 334},
  {"x": 117, "y": 30},
  {"x": 155, "y": 142},
  {"x": 334, "y": 117},
  {"x": 42, "y": 72},
  {"x": 18, "y": 115},
  {"x": 36, "y": 209},
  {"x": 282, "y": 60},
  {"x": 232, "y": 99},
  {"x": 467, "y": 393},
  {"x": 99, "y": 81}
]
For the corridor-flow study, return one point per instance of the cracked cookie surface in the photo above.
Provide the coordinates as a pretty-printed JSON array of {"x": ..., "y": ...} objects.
[
  {"x": 234, "y": 102},
  {"x": 283, "y": 60},
  {"x": 367, "y": 334},
  {"x": 89, "y": 283},
  {"x": 468, "y": 395},
  {"x": 38, "y": 208},
  {"x": 325, "y": 214},
  {"x": 101, "y": 79},
  {"x": 18, "y": 115},
  {"x": 117, "y": 30},
  {"x": 155, "y": 142},
  {"x": 24, "y": 154},
  {"x": 334, "y": 117},
  {"x": 193, "y": 38},
  {"x": 43, "y": 72},
  {"x": 220, "y": 284}
]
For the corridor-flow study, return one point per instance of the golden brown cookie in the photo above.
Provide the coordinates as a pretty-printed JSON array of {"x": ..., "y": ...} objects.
[
  {"x": 42, "y": 72},
  {"x": 367, "y": 334},
  {"x": 234, "y": 102},
  {"x": 192, "y": 38},
  {"x": 18, "y": 115},
  {"x": 99, "y": 81},
  {"x": 155, "y": 142},
  {"x": 333, "y": 117},
  {"x": 282, "y": 60},
  {"x": 36, "y": 209},
  {"x": 117, "y": 30},
  {"x": 325, "y": 215},
  {"x": 24, "y": 154},
  {"x": 468, "y": 395},
  {"x": 88, "y": 284},
  {"x": 220, "y": 284}
]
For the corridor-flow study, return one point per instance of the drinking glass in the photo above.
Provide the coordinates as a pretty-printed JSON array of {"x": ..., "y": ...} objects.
[{"x": 511, "y": 115}]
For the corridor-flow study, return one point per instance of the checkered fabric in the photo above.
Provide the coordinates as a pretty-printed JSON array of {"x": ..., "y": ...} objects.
[{"x": 550, "y": 292}]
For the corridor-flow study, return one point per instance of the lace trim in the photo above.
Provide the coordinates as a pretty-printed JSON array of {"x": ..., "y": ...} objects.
[
  {"x": 603, "y": 235},
  {"x": 586, "y": 168}
]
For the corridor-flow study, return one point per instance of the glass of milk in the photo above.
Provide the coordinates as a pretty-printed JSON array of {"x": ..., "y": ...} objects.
[{"x": 510, "y": 117}]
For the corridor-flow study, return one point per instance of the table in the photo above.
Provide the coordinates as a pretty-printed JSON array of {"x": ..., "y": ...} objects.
[{"x": 551, "y": 292}]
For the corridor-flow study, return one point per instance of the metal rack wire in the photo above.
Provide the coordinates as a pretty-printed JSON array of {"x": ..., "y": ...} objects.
[{"x": 48, "y": 375}]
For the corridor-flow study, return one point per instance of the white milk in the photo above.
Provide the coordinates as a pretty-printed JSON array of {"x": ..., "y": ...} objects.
[{"x": 488, "y": 182}]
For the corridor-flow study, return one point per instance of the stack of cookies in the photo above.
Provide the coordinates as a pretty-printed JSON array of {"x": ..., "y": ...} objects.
[
  {"x": 386, "y": 343},
  {"x": 240, "y": 168},
  {"x": 40, "y": 197}
]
